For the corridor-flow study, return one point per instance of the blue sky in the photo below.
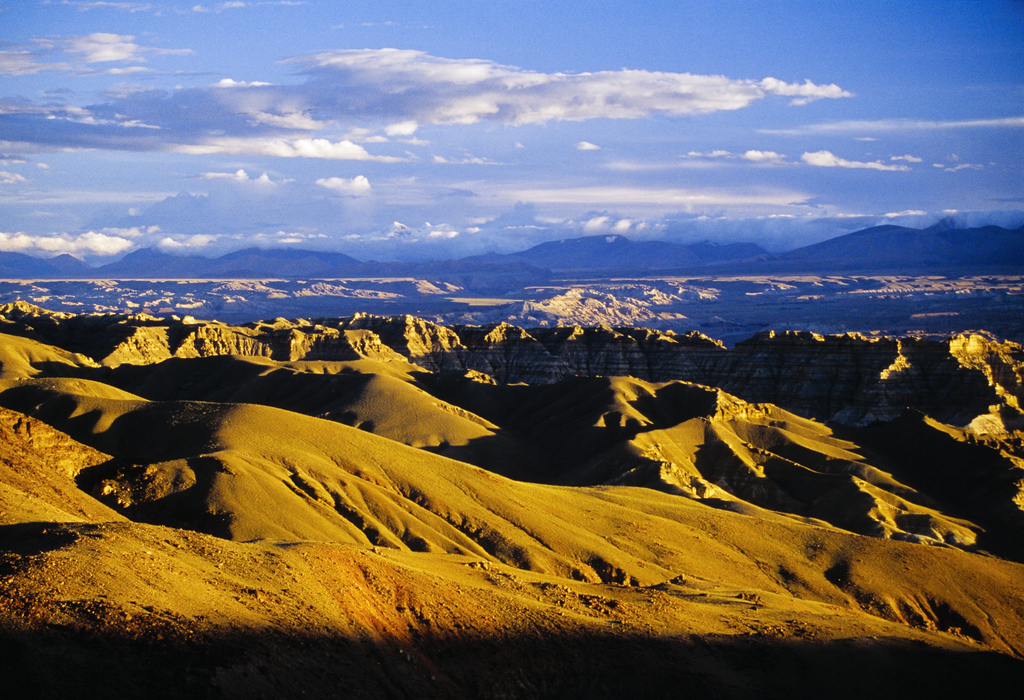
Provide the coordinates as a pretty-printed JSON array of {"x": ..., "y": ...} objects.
[{"x": 426, "y": 130}]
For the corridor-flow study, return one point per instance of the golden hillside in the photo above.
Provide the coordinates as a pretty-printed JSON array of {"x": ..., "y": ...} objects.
[{"x": 243, "y": 526}]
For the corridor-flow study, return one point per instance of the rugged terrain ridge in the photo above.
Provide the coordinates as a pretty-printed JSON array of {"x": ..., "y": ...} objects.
[{"x": 970, "y": 380}]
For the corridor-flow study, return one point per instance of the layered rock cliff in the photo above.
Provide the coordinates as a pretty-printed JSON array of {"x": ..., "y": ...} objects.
[{"x": 969, "y": 380}]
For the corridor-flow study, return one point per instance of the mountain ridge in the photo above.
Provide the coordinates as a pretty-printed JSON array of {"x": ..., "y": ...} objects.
[{"x": 886, "y": 247}]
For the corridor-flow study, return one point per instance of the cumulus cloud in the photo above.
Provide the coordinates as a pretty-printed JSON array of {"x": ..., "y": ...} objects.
[
  {"x": 79, "y": 54},
  {"x": 179, "y": 244},
  {"x": 7, "y": 178},
  {"x": 387, "y": 91},
  {"x": 284, "y": 148},
  {"x": 69, "y": 53},
  {"x": 358, "y": 186},
  {"x": 763, "y": 157},
  {"x": 86, "y": 243},
  {"x": 239, "y": 176},
  {"x": 587, "y": 146},
  {"x": 412, "y": 85},
  {"x": 406, "y": 128},
  {"x": 826, "y": 159},
  {"x": 803, "y": 94},
  {"x": 752, "y": 156},
  {"x": 101, "y": 47},
  {"x": 908, "y": 158}
]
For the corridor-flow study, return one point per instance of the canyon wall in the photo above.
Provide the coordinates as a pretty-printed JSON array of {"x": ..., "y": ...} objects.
[{"x": 968, "y": 380}]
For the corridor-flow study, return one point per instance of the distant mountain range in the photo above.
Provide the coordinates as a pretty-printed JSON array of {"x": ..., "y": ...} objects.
[
  {"x": 889, "y": 248},
  {"x": 621, "y": 253},
  {"x": 897, "y": 247}
]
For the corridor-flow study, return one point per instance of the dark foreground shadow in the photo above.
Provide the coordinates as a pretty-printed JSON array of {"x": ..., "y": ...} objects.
[{"x": 63, "y": 663}]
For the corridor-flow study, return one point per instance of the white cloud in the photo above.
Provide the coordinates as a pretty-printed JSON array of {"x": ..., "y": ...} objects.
[
  {"x": 752, "y": 156},
  {"x": 284, "y": 148},
  {"x": 763, "y": 157},
  {"x": 86, "y": 243},
  {"x": 659, "y": 198},
  {"x": 710, "y": 154},
  {"x": 358, "y": 186},
  {"x": 384, "y": 94},
  {"x": 826, "y": 159},
  {"x": 587, "y": 146},
  {"x": 239, "y": 176},
  {"x": 468, "y": 160},
  {"x": 23, "y": 63},
  {"x": 133, "y": 232},
  {"x": 898, "y": 125},
  {"x": 101, "y": 47},
  {"x": 598, "y": 223},
  {"x": 130, "y": 7},
  {"x": 908, "y": 212},
  {"x": 908, "y": 158},
  {"x": 229, "y": 83},
  {"x": 7, "y": 178},
  {"x": 412, "y": 85},
  {"x": 406, "y": 128},
  {"x": 802, "y": 94},
  {"x": 965, "y": 166},
  {"x": 180, "y": 244}
]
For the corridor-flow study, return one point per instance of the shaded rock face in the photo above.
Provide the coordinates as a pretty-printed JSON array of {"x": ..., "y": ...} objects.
[{"x": 970, "y": 380}]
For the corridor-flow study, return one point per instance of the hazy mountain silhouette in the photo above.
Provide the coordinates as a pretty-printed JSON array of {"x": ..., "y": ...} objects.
[
  {"x": 891, "y": 248},
  {"x": 619, "y": 252},
  {"x": 899, "y": 247}
]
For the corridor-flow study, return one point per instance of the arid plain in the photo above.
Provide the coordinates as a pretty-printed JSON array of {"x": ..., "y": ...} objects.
[{"x": 727, "y": 307}]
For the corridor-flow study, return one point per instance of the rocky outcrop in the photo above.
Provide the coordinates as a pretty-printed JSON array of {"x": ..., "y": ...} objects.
[
  {"x": 38, "y": 467},
  {"x": 969, "y": 380},
  {"x": 426, "y": 344}
]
